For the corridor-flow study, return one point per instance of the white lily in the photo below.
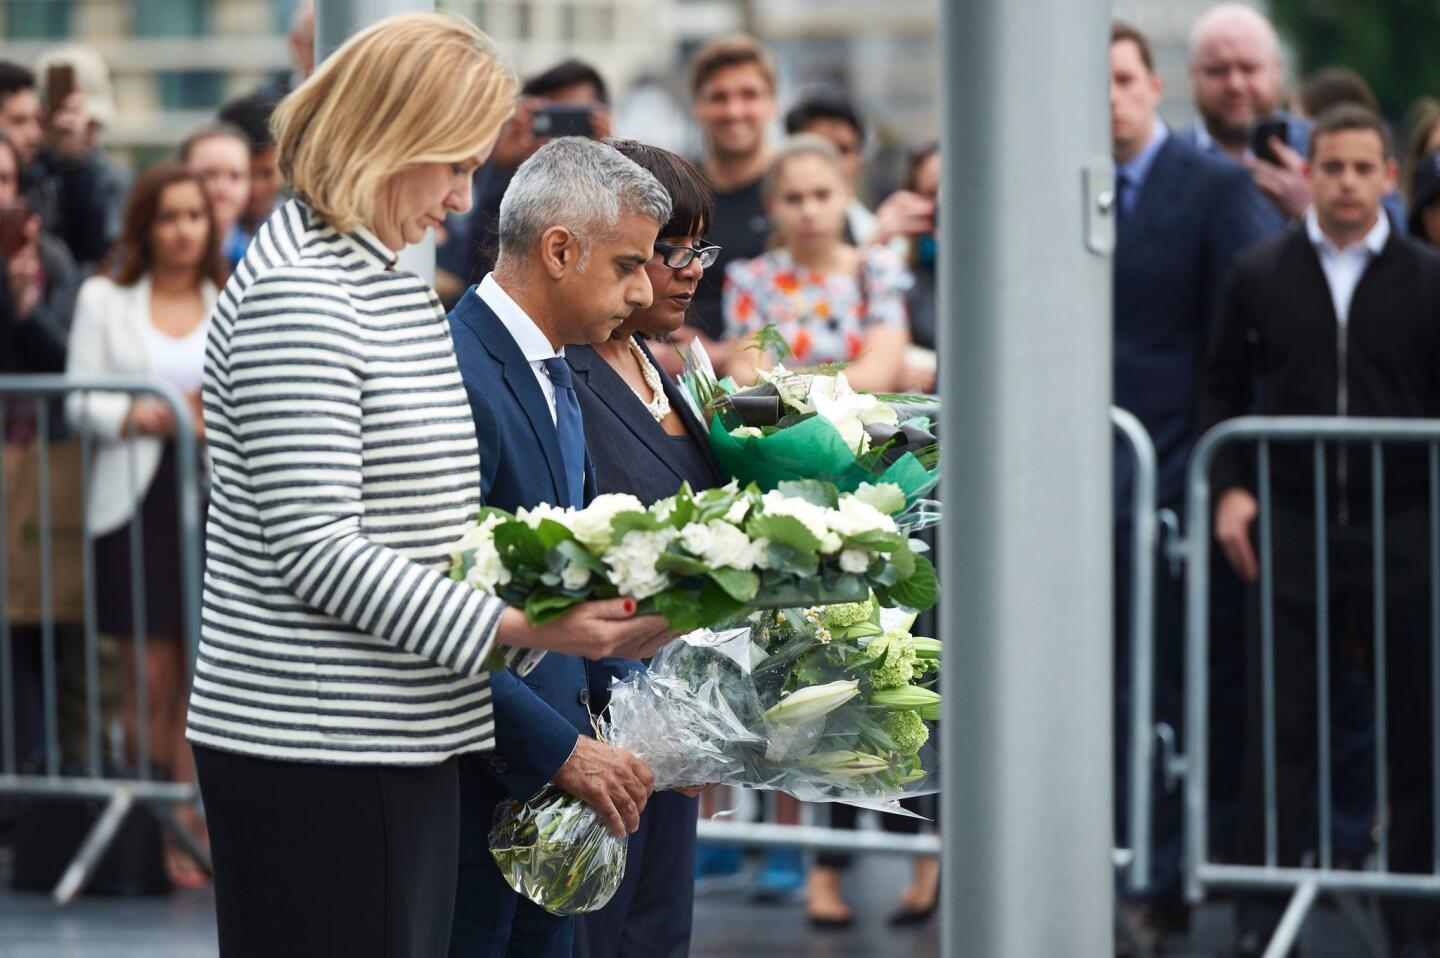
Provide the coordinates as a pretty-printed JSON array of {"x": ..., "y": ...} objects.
[
  {"x": 850, "y": 412},
  {"x": 813, "y": 702},
  {"x": 848, "y": 763}
]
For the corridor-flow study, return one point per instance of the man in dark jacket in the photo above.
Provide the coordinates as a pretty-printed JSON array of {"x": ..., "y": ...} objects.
[
  {"x": 1182, "y": 217},
  {"x": 1340, "y": 318}
]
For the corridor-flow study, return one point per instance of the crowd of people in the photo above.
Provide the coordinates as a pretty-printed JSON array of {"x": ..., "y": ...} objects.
[
  {"x": 1266, "y": 263},
  {"x": 1276, "y": 256}
]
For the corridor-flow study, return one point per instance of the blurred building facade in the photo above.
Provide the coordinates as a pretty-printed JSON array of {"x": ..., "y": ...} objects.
[{"x": 174, "y": 61}]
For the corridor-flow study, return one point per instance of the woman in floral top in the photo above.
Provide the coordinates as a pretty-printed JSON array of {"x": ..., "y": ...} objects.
[{"x": 832, "y": 302}]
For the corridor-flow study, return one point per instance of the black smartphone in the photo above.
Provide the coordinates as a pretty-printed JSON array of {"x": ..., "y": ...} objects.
[
  {"x": 563, "y": 119},
  {"x": 59, "y": 84},
  {"x": 1260, "y": 139}
]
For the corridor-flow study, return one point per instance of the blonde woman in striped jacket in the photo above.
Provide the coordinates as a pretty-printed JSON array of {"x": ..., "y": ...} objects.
[{"x": 340, "y": 671}]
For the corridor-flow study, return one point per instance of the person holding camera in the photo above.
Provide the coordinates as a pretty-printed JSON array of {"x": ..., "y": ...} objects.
[
  {"x": 569, "y": 99},
  {"x": 40, "y": 275},
  {"x": 76, "y": 192}
]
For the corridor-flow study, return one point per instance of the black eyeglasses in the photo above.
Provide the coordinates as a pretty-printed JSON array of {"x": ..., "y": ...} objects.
[{"x": 679, "y": 257}]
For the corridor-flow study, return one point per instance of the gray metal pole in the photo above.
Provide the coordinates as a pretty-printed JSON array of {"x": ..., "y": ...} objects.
[
  {"x": 335, "y": 22},
  {"x": 1025, "y": 550}
]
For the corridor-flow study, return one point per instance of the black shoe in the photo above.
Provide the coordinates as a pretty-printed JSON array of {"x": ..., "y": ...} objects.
[
  {"x": 910, "y": 917},
  {"x": 830, "y": 924}
]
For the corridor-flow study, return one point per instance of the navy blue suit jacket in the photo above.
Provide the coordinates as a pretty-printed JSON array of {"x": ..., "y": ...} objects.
[
  {"x": 537, "y": 717},
  {"x": 1174, "y": 249}
]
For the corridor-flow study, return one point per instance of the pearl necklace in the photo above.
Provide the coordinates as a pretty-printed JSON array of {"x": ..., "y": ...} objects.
[{"x": 659, "y": 407}]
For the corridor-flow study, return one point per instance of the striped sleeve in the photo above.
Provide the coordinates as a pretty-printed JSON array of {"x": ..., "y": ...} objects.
[{"x": 308, "y": 354}]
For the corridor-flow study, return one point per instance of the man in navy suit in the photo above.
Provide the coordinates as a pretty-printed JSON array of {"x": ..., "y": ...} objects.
[
  {"x": 1182, "y": 217},
  {"x": 577, "y": 227}
]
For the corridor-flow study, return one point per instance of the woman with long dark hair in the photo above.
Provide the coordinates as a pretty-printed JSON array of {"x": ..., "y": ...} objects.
[{"x": 147, "y": 320}]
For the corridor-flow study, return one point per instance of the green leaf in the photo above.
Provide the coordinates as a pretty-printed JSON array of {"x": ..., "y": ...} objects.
[
  {"x": 632, "y": 521},
  {"x": 574, "y": 552},
  {"x": 918, "y": 591},
  {"x": 783, "y": 530},
  {"x": 541, "y": 607},
  {"x": 814, "y": 491},
  {"x": 551, "y": 533},
  {"x": 737, "y": 583},
  {"x": 519, "y": 546},
  {"x": 886, "y": 497},
  {"x": 904, "y": 562},
  {"x": 878, "y": 540},
  {"x": 791, "y": 562},
  {"x": 682, "y": 565}
]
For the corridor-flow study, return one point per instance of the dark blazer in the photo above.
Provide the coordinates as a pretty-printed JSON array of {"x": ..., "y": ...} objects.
[
  {"x": 536, "y": 718},
  {"x": 1277, "y": 350},
  {"x": 651, "y": 911},
  {"x": 1192, "y": 215},
  {"x": 626, "y": 444}
]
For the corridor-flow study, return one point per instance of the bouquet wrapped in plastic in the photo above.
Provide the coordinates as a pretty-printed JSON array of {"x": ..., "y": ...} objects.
[
  {"x": 700, "y": 559},
  {"x": 794, "y": 425},
  {"x": 826, "y": 704}
]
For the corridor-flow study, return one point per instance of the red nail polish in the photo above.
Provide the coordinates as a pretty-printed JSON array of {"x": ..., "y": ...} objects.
[{"x": 629, "y": 606}]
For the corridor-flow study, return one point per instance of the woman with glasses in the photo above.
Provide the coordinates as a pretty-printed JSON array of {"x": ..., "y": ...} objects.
[
  {"x": 645, "y": 440},
  {"x": 831, "y": 301}
]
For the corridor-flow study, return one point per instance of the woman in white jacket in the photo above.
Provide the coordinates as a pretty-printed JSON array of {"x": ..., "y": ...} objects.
[{"x": 147, "y": 319}]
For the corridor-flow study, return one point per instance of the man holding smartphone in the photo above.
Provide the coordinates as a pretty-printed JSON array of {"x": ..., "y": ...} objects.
[
  {"x": 569, "y": 99},
  {"x": 68, "y": 182}
]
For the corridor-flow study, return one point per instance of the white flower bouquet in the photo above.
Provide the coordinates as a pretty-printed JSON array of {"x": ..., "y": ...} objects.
[
  {"x": 814, "y": 425},
  {"x": 700, "y": 559},
  {"x": 827, "y": 704}
]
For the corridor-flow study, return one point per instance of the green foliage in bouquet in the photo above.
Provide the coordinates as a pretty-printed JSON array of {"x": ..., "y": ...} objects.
[{"x": 700, "y": 559}]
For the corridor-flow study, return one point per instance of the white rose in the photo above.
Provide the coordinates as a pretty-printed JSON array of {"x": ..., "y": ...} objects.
[
  {"x": 697, "y": 539},
  {"x": 592, "y": 525},
  {"x": 747, "y": 432},
  {"x": 728, "y": 547},
  {"x": 533, "y": 517},
  {"x": 759, "y": 557},
  {"x": 854, "y": 560},
  {"x": 737, "y": 511},
  {"x": 632, "y": 563},
  {"x": 487, "y": 572},
  {"x": 576, "y": 576},
  {"x": 813, "y": 517},
  {"x": 855, "y": 517}
]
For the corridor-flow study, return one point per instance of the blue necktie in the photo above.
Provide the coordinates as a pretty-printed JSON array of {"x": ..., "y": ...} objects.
[
  {"x": 1124, "y": 196},
  {"x": 571, "y": 429}
]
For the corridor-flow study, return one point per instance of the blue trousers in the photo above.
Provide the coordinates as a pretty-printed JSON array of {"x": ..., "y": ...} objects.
[
  {"x": 651, "y": 913},
  {"x": 491, "y": 920}
]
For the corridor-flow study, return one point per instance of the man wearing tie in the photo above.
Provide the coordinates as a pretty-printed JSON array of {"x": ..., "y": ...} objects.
[
  {"x": 577, "y": 226},
  {"x": 1182, "y": 216}
]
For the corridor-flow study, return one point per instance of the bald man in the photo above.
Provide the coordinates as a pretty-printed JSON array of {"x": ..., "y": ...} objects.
[{"x": 1237, "y": 71}]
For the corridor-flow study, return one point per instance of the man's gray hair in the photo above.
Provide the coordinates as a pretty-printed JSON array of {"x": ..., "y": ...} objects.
[{"x": 580, "y": 184}]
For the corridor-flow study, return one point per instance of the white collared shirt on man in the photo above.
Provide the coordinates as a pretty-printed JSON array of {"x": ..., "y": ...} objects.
[
  {"x": 1344, "y": 267},
  {"x": 534, "y": 344}
]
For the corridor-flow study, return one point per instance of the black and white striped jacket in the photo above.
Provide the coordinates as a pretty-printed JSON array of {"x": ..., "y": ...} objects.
[{"x": 345, "y": 468}]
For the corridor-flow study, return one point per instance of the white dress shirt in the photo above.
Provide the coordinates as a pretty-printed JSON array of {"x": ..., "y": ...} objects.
[
  {"x": 532, "y": 342},
  {"x": 1344, "y": 267}
]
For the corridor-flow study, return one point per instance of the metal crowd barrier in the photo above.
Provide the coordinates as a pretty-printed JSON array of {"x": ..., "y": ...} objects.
[
  {"x": 1133, "y": 860},
  {"x": 1304, "y": 883},
  {"x": 120, "y": 786}
]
